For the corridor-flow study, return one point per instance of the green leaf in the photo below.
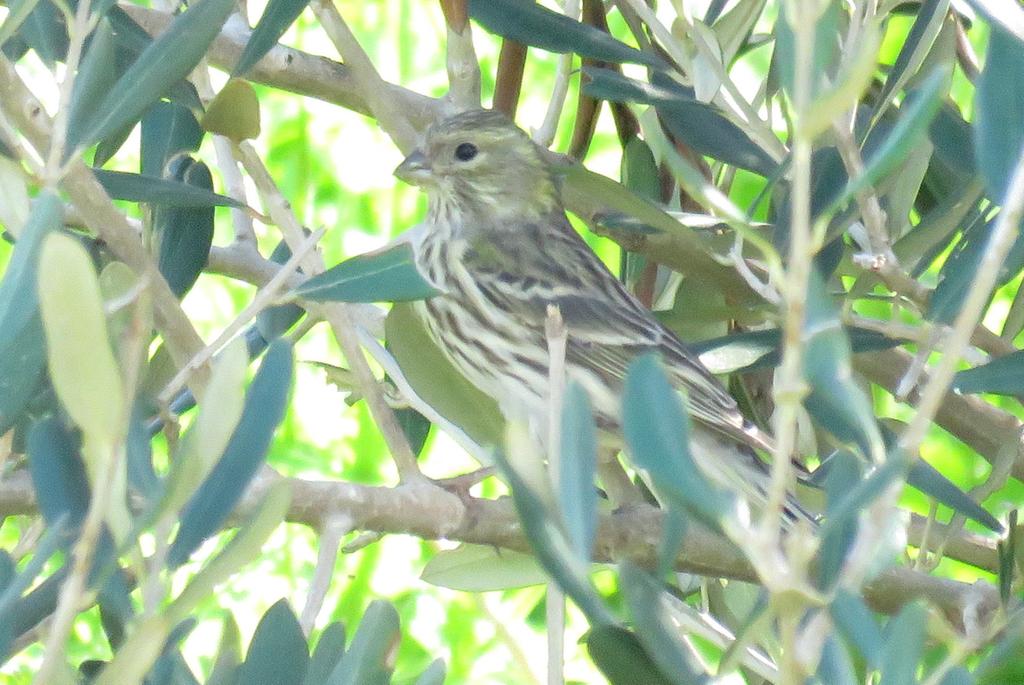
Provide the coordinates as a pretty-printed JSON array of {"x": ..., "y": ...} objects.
[
  {"x": 915, "y": 115},
  {"x": 849, "y": 84},
  {"x": 276, "y": 18},
  {"x": 225, "y": 665},
  {"x": 132, "y": 41},
  {"x": 866, "y": 491},
  {"x": 958, "y": 271},
  {"x": 273, "y": 322},
  {"x": 855, "y": 622},
  {"x": 552, "y": 548},
  {"x": 836, "y": 667},
  {"x": 18, "y": 298},
  {"x": 167, "y": 129},
  {"x": 478, "y": 568},
  {"x": 15, "y": 582},
  {"x": 61, "y": 484},
  {"x": 999, "y": 111},
  {"x": 22, "y": 346},
  {"x": 577, "y": 465},
  {"x": 184, "y": 234},
  {"x": 97, "y": 72},
  {"x": 1003, "y": 664},
  {"x": 953, "y": 139},
  {"x": 22, "y": 362},
  {"x": 928, "y": 480},
  {"x": 639, "y": 170},
  {"x": 903, "y": 646},
  {"x": 824, "y": 52},
  {"x": 437, "y": 381},
  {"x": 529, "y": 23},
  {"x": 752, "y": 350},
  {"x": 1005, "y": 550},
  {"x": 371, "y": 656},
  {"x": 917, "y": 249},
  {"x": 620, "y": 657},
  {"x": 166, "y": 192},
  {"x": 14, "y": 200},
  {"x": 18, "y": 12},
  {"x": 330, "y": 648},
  {"x": 1001, "y": 376},
  {"x": 164, "y": 62},
  {"x": 698, "y": 124},
  {"x": 81, "y": 362},
  {"x": 277, "y": 653},
  {"x": 385, "y": 276},
  {"x": 734, "y": 27},
  {"x": 657, "y": 434},
  {"x": 32, "y": 608},
  {"x": 658, "y": 635},
  {"x": 243, "y": 547},
  {"x": 216, "y": 422},
  {"x": 434, "y": 675},
  {"x": 45, "y": 32},
  {"x": 927, "y": 25},
  {"x": 265, "y": 405},
  {"x": 137, "y": 654},
  {"x": 835, "y": 400},
  {"x": 415, "y": 426},
  {"x": 843, "y": 473},
  {"x": 234, "y": 112}
]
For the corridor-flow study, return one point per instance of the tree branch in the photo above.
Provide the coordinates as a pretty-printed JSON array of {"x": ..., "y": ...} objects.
[
  {"x": 296, "y": 71},
  {"x": 633, "y": 532},
  {"x": 981, "y": 426}
]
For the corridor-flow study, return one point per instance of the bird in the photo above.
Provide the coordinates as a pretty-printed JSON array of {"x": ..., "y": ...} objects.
[{"x": 499, "y": 249}]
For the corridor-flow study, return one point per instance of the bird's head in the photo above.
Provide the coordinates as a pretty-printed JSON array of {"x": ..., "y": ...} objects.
[{"x": 480, "y": 163}]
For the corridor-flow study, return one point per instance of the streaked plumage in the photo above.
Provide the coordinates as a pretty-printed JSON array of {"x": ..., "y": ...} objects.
[{"x": 500, "y": 249}]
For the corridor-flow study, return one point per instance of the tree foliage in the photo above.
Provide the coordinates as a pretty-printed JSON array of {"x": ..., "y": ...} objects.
[{"x": 823, "y": 198}]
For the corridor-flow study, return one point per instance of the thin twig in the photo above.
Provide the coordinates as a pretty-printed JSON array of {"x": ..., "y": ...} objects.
[
  {"x": 329, "y": 539},
  {"x": 557, "y": 337},
  {"x": 463, "y": 66},
  {"x": 241, "y": 221},
  {"x": 1003, "y": 236},
  {"x": 77, "y": 34},
  {"x": 265, "y": 297},
  {"x": 367, "y": 81},
  {"x": 735, "y": 101},
  {"x": 790, "y": 386},
  {"x": 338, "y": 317},
  {"x": 545, "y": 134}
]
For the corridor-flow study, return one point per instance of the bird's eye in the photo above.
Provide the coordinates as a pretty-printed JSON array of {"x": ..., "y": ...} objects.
[{"x": 465, "y": 152}]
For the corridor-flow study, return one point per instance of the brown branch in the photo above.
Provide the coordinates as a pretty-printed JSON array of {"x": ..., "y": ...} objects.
[
  {"x": 296, "y": 71},
  {"x": 983, "y": 427},
  {"x": 633, "y": 533},
  {"x": 969, "y": 548},
  {"x": 509, "y": 78},
  {"x": 456, "y": 14}
]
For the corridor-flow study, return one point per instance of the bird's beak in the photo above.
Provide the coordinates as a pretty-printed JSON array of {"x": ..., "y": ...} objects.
[{"x": 415, "y": 170}]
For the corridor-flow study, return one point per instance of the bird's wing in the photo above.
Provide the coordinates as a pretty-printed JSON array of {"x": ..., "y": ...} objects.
[{"x": 548, "y": 263}]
